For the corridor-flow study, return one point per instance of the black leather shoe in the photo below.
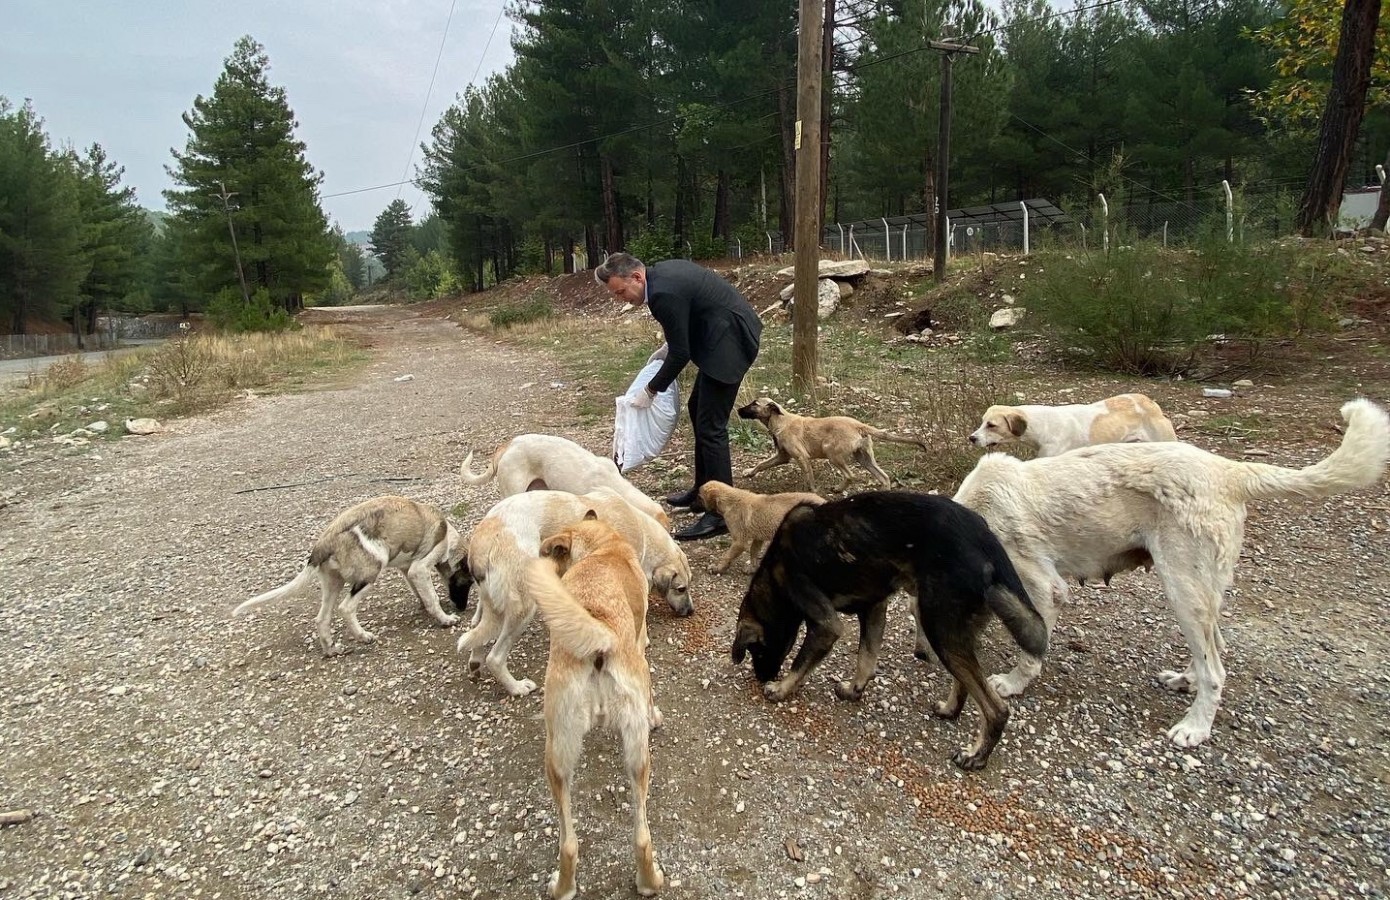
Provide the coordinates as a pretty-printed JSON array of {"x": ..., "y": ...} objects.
[
  {"x": 684, "y": 499},
  {"x": 707, "y": 525}
]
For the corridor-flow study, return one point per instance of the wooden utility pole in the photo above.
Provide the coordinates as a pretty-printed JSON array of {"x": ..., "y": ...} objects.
[
  {"x": 241, "y": 276},
  {"x": 943, "y": 150},
  {"x": 805, "y": 311}
]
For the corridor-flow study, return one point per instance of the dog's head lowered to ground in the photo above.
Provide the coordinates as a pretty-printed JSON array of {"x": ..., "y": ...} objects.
[
  {"x": 761, "y": 409},
  {"x": 767, "y": 628}
]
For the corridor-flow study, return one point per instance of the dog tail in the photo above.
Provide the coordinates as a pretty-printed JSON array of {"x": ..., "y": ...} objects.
[
  {"x": 880, "y": 434},
  {"x": 300, "y": 583},
  {"x": 466, "y": 471},
  {"x": 1008, "y": 599},
  {"x": 570, "y": 624},
  {"x": 1359, "y": 462}
]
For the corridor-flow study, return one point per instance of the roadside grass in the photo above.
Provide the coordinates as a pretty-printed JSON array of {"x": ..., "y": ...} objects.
[{"x": 182, "y": 377}]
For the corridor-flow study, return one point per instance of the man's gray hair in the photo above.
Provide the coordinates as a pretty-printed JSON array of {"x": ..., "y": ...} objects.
[{"x": 620, "y": 264}]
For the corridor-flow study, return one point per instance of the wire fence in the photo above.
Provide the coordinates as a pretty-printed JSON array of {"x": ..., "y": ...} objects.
[
  {"x": 21, "y": 346},
  {"x": 1218, "y": 211}
]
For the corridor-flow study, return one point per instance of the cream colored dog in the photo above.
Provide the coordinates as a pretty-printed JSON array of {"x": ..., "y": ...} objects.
[
  {"x": 510, "y": 536},
  {"x": 595, "y": 607},
  {"x": 531, "y": 462},
  {"x": 840, "y": 439},
  {"x": 1053, "y": 430},
  {"x": 752, "y": 518},
  {"x": 1097, "y": 511},
  {"x": 362, "y": 542}
]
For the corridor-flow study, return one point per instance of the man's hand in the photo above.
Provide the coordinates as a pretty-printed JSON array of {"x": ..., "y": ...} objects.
[
  {"x": 643, "y": 399},
  {"x": 660, "y": 353}
]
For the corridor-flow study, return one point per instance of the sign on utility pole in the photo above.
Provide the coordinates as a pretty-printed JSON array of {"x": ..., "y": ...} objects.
[
  {"x": 805, "y": 311},
  {"x": 943, "y": 150}
]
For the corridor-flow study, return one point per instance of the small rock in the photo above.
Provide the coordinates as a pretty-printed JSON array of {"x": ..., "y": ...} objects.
[
  {"x": 142, "y": 426},
  {"x": 407, "y": 377},
  {"x": 1243, "y": 383},
  {"x": 813, "y": 877},
  {"x": 98, "y": 427},
  {"x": 1007, "y": 317}
]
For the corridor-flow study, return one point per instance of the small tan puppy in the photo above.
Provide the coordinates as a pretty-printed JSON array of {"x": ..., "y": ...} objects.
[
  {"x": 592, "y": 595},
  {"x": 840, "y": 439},
  {"x": 362, "y": 542},
  {"x": 1053, "y": 430},
  {"x": 752, "y": 518}
]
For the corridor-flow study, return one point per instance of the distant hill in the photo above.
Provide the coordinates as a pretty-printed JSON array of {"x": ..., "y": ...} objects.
[
  {"x": 156, "y": 217},
  {"x": 362, "y": 239}
]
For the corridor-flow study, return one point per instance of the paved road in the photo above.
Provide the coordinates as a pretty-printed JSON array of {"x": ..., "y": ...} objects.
[{"x": 18, "y": 370}]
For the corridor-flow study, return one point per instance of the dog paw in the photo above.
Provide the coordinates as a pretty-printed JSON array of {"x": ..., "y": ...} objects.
[
  {"x": 557, "y": 892},
  {"x": 945, "y": 709},
  {"x": 475, "y": 670},
  {"x": 522, "y": 688},
  {"x": 656, "y": 718},
  {"x": 775, "y": 692},
  {"x": 1189, "y": 734},
  {"x": 333, "y": 650},
  {"x": 1178, "y": 682},
  {"x": 749, "y": 474},
  {"x": 970, "y": 762},
  {"x": 923, "y": 655},
  {"x": 718, "y": 570},
  {"x": 647, "y": 887},
  {"x": 845, "y": 690},
  {"x": 1009, "y": 685},
  {"x": 448, "y": 620}
]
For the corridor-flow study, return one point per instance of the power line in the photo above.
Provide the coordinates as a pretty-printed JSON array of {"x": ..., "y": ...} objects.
[
  {"x": 495, "y": 22},
  {"x": 424, "y": 108}
]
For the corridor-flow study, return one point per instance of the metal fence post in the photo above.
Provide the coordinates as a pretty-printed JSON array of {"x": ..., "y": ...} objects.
[
  {"x": 1165, "y": 234},
  {"x": 1104, "y": 224},
  {"x": 904, "y": 243},
  {"x": 887, "y": 240},
  {"x": 1024, "y": 204},
  {"x": 950, "y": 238},
  {"x": 842, "y": 237},
  {"x": 851, "y": 241},
  {"x": 1230, "y": 212},
  {"x": 1083, "y": 235},
  {"x": 769, "y": 242}
]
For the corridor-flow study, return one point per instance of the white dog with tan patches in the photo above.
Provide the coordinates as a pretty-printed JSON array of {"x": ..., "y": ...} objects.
[
  {"x": 532, "y": 462},
  {"x": 1098, "y": 511},
  {"x": 1053, "y": 430},
  {"x": 362, "y": 542},
  {"x": 509, "y": 537}
]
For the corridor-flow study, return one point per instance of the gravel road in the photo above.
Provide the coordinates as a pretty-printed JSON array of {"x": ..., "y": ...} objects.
[{"x": 168, "y": 752}]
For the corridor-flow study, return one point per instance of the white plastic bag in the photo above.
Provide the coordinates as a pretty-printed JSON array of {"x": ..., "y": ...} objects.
[{"x": 641, "y": 434}]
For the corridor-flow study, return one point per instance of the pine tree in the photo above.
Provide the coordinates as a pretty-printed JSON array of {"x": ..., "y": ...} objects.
[
  {"x": 115, "y": 232},
  {"x": 243, "y": 137},
  {"x": 41, "y": 264},
  {"x": 391, "y": 236}
]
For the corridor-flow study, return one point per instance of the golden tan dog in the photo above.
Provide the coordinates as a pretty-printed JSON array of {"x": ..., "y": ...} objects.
[
  {"x": 752, "y": 518},
  {"x": 840, "y": 439},
  {"x": 509, "y": 537},
  {"x": 593, "y": 596},
  {"x": 1053, "y": 430}
]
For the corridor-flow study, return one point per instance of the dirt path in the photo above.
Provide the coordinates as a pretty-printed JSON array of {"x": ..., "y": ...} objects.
[{"x": 172, "y": 753}]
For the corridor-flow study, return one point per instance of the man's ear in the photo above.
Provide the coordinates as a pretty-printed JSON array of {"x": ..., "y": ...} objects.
[{"x": 748, "y": 634}]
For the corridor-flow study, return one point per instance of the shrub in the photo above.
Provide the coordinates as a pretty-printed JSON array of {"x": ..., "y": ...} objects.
[
  {"x": 653, "y": 244},
  {"x": 533, "y": 309},
  {"x": 229, "y": 312},
  {"x": 1145, "y": 310}
]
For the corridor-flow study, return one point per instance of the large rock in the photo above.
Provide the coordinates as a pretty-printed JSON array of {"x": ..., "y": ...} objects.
[
  {"x": 834, "y": 268},
  {"x": 142, "y": 426},
  {"x": 1007, "y": 317},
  {"x": 827, "y": 297}
]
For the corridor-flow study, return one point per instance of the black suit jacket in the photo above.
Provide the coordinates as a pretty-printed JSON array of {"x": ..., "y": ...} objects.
[{"x": 705, "y": 320}]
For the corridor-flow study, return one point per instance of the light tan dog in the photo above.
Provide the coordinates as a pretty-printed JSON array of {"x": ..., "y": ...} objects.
[
  {"x": 509, "y": 537},
  {"x": 531, "y": 462},
  {"x": 1099, "y": 511},
  {"x": 593, "y": 597},
  {"x": 752, "y": 518},
  {"x": 840, "y": 439},
  {"x": 1053, "y": 430},
  {"x": 361, "y": 543}
]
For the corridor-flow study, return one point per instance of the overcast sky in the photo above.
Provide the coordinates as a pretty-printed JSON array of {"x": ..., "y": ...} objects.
[{"x": 122, "y": 73}]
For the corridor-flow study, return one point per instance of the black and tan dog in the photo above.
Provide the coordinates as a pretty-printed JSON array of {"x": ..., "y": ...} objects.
[{"x": 847, "y": 558}]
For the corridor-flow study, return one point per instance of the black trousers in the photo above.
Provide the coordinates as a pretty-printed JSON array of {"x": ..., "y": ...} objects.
[{"x": 710, "y": 404}]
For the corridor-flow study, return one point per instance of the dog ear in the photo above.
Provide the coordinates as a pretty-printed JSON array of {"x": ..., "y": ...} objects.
[
  {"x": 707, "y": 497},
  {"x": 1017, "y": 424},
  {"x": 802, "y": 512},
  {"x": 748, "y": 634},
  {"x": 557, "y": 547},
  {"x": 590, "y": 515}
]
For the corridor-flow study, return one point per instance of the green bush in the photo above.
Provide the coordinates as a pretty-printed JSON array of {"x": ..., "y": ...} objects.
[
  {"x": 429, "y": 276},
  {"x": 653, "y": 244},
  {"x": 229, "y": 312},
  {"x": 533, "y": 309},
  {"x": 1145, "y": 310}
]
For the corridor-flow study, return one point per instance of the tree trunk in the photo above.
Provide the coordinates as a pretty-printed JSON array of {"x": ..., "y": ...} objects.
[
  {"x": 569, "y": 255},
  {"x": 1341, "y": 117},
  {"x": 77, "y": 325},
  {"x": 1382, "y": 213},
  {"x": 680, "y": 205},
  {"x": 591, "y": 248},
  {"x": 721, "y": 228},
  {"x": 612, "y": 215},
  {"x": 929, "y": 201},
  {"x": 828, "y": 80},
  {"x": 786, "y": 214}
]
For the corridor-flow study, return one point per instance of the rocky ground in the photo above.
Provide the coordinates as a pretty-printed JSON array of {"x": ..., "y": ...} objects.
[{"x": 166, "y": 751}]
